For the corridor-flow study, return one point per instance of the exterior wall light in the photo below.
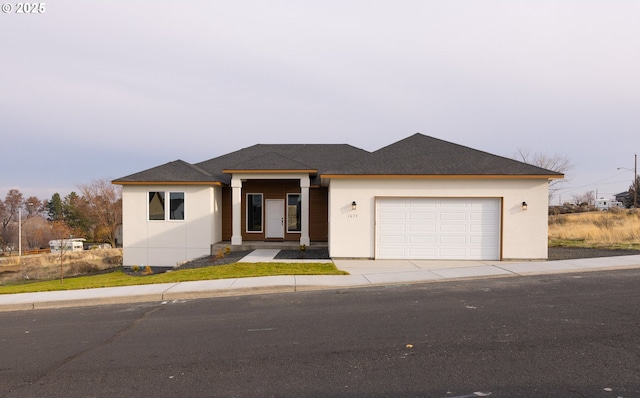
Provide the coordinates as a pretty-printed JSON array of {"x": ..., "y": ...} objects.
[
  {"x": 354, "y": 205},
  {"x": 524, "y": 206}
]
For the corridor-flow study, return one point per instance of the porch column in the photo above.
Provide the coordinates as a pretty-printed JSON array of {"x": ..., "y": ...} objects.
[
  {"x": 236, "y": 211},
  {"x": 304, "y": 217}
]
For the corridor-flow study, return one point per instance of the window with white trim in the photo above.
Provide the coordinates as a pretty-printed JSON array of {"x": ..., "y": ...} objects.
[
  {"x": 254, "y": 212},
  {"x": 294, "y": 204},
  {"x": 156, "y": 206},
  {"x": 158, "y": 209},
  {"x": 176, "y": 206}
]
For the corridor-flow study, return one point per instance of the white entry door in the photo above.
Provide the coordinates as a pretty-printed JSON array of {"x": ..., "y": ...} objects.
[{"x": 275, "y": 218}]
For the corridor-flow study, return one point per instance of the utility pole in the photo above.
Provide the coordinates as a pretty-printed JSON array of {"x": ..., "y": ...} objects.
[
  {"x": 20, "y": 230},
  {"x": 635, "y": 180}
]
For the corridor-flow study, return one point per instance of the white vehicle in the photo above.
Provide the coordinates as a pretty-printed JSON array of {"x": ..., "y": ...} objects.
[
  {"x": 606, "y": 204},
  {"x": 68, "y": 245}
]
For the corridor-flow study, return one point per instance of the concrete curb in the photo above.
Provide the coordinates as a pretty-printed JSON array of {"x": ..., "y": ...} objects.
[{"x": 362, "y": 274}]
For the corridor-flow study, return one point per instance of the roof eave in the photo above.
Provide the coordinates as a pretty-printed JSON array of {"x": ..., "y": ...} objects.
[
  {"x": 268, "y": 171},
  {"x": 445, "y": 176},
  {"x": 209, "y": 183}
]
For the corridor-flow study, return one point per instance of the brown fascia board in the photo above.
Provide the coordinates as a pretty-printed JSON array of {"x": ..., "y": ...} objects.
[
  {"x": 116, "y": 182},
  {"x": 266, "y": 171},
  {"x": 443, "y": 176}
]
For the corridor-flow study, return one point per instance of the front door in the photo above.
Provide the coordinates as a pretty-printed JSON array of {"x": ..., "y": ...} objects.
[{"x": 275, "y": 218}]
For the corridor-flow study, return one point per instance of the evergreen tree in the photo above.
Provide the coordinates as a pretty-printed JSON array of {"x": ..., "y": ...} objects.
[{"x": 55, "y": 208}]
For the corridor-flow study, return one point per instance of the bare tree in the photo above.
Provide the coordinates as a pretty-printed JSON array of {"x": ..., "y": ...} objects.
[
  {"x": 104, "y": 208},
  {"x": 632, "y": 198},
  {"x": 557, "y": 163},
  {"x": 587, "y": 198},
  {"x": 62, "y": 234},
  {"x": 37, "y": 232},
  {"x": 9, "y": 209}
]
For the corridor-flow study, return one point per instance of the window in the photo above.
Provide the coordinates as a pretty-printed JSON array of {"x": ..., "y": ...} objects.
[
  {"x": 254, "y": 212},
  {"x": 156, "y": 205},
  {"x": 158, "y": 210},
  {"x": 176, "y": 205},
  {"x": 293, "y": 212}
]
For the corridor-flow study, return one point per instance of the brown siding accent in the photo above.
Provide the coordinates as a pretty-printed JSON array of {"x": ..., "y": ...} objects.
[
  {"x": 278, "y": 189},
  {"x": 319, "y": 214},
  {"x": 226, "y": 213}
]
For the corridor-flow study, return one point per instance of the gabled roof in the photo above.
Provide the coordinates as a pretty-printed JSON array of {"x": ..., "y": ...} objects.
[
  {"x": 417, "y": 155},
  {"x": 320, "y": 157},
  {"x": 271, "y": 161},
  {"x": 176, "y": 171},
  {"x": 423, "y": 155}
]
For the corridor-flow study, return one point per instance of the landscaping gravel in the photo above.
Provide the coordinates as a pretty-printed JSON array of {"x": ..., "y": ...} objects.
[
  {"x": 207, "y": 261},
  {"x": 309, "y": 254},
  {"x": 555, "y": 253}
]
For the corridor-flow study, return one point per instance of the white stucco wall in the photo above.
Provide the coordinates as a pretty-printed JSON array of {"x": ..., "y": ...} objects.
[
  {"x": 166, "y": 243},
  {"x": 524, "y": 232}
]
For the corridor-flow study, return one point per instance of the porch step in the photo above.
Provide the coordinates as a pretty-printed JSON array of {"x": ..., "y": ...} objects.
[
  {"x": 260, "y": 256},
  {"x": 222, "y": 246}
]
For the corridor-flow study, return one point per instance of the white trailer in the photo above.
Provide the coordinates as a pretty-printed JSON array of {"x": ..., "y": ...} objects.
[
  {"x": 68, "y": 245},
  {"x": 606, "y": 204}
]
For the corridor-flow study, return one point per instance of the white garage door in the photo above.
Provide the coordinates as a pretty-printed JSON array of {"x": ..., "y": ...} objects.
[{"x": 438, "y": 228}]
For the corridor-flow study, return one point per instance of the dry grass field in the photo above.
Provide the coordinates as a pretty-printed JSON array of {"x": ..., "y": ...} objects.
[{"x": 617, "y": 228}]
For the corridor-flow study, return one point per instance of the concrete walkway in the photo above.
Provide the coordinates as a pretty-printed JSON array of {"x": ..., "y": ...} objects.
[{"x": 362, "y": 273}]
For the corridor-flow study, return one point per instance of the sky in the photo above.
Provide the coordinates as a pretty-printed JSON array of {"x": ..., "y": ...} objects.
[{"x": 103, "y": 89}]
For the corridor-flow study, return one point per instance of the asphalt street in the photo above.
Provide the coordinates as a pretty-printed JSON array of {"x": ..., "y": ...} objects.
[{"x": 557, "y": 335}]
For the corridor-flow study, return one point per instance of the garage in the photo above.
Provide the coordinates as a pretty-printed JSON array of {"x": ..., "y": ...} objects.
[{"x": 438, "y": 228}]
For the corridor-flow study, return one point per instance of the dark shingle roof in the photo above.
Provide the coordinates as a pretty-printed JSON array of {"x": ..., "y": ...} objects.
[
  {"x": 270, "y": 161},
  {"x": 423, "y": 155},
  {"x": 176, "y": 171},
  {"x": 319, "y": 157},
  {"x": 414, "y": 155}
]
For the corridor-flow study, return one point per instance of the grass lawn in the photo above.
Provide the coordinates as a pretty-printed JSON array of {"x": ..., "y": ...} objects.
[{"x": 119, "y": 278}]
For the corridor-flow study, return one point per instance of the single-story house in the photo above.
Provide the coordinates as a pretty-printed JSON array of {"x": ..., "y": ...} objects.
[{"x": 418, "y": 198}]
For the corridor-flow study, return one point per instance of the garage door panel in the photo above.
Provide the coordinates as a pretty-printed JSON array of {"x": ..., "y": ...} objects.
[
  {"x": 432, "y": 228},
  {"x": 450, "y": 239},
  {"x": 422, "y": 216},
  {"x": 393, "y": 252},
  {"x": 422, "y": 239},
  {"x": 453, "y": 228},
  {"x": 482, "y": 229},
  {"x": 452, "y": 203},
  {"x": 391, "y": 228},
  {"x": 453, "y": 216},
  {"x": 393, "y": 202},
  {"x": 393, "y": 239},
  {"x": 421, "y": 228},
  {"x": 479, "y": 217},
  {"x": 419, "y": 202},
  {"x": 452, "y": 253},
  {"x": 394, "y": 216},
  {"x": 481, "y": 240},
  {"x": 422, "y": 253}
]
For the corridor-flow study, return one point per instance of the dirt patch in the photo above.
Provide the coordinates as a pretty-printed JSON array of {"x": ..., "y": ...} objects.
[
  {"x": 569, "y": 253},
  {"x": 47, "y": 266}
]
